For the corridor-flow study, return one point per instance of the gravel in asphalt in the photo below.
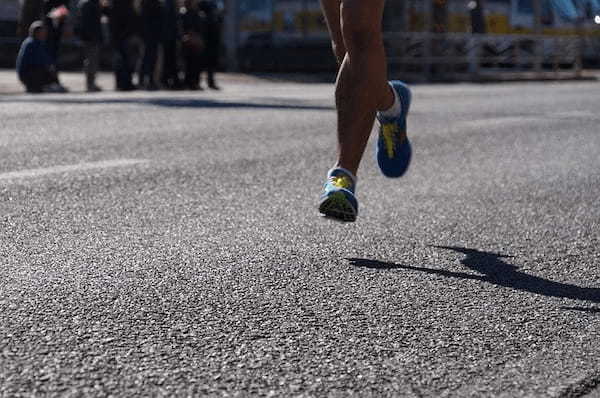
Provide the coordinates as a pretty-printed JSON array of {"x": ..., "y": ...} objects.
[{"x": 168, "y": 244}]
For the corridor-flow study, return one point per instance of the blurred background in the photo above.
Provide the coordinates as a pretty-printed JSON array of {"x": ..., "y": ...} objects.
[{"x": 426, "y": 39}]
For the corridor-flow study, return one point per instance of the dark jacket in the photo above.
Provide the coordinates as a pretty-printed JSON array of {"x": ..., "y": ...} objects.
[
  {"x": 31, "y": 10},
  {"x": 171, "y": 28},
  {"x": 212, "y": 33},
  {"x": 193, "y": 22},
  {"x": 55, "y": 30},
  {"x": 89, "y": 25},
  {"x": 33, "y": 53},
  {"x": 124, "y": 21},
  {"x": 151, "y": 20},
  {"x": 212, "y": 19}
]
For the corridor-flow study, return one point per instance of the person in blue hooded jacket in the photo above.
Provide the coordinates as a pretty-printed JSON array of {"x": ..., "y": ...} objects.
[{"x": 35, "y": 66}]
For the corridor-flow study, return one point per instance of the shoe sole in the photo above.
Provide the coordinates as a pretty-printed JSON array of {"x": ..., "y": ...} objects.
[{"x": 338, "y": 207}]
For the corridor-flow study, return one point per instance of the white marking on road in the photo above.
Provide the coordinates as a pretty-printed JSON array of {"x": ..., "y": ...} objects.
[
  {"x": 104, "y": 164},
  {"x": 575, "y": 114},
  {"x": 507, "y": 121},
  {"x": 500, "y": 122}
]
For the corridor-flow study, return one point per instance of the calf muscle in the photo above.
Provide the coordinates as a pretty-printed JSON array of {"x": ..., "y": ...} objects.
[{"x": 361, "y": 86}]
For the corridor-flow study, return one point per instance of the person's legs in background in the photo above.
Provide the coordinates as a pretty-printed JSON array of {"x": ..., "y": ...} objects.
[
  {"x": 170, "y": 75},
  {"x": 193, "y": 65},
  {"x": 123, "y": 78},
  {"x": 210, "y": 63},
  {"x": 90, "y": 65},
  {"x": 210, "y": 78},
  {"x": 149, "y": 65}
]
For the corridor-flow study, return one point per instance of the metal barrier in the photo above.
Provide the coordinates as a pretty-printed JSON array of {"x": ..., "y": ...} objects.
[{"x": 466, "y": 56}]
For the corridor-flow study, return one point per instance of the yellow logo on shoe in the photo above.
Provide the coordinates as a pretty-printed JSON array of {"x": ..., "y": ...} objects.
[
  {"x": 341, "y": 182},
  {"x": 388, "y": 131}
]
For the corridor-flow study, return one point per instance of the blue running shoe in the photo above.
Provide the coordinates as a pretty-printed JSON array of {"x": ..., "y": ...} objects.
[
  {"x": 338, "y": 200},
  {"x": 393, "y": 147}
]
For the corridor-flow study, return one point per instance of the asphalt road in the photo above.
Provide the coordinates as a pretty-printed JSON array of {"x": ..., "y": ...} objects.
[{"x": 168, "y": 244}]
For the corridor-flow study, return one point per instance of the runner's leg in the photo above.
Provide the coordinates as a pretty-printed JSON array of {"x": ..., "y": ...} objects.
[
  {"x": 331, "y": 10},
  {"x": 361, "y": 87},
  {"x": 361, "y": 90}
]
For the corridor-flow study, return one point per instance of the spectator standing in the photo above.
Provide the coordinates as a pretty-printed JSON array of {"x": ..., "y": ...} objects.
[
  {"x": 35, "y": 66},
  {"x": 171, "y": 34},
  {"x": 31, "y": 10},
  {"x": 54, "y": 15},
  {"x": 210, "y": 58},
  {"x": 152, "y": 30},
  {"x": 123, "y": 23},
  {"x": 89, "y": 29},
  {"x": 192, "y": 41}
]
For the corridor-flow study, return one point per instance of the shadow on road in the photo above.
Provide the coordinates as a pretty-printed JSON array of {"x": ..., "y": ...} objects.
[
  {"x": 492, "y": 268},
  {"x": 589, "y": 310},
  {"x": 174, "y": 103}
]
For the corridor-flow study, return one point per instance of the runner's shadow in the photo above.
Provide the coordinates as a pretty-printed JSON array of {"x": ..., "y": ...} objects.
[
  {"x": 493, "y": 268},
  {"x": 589, "y": 310}
]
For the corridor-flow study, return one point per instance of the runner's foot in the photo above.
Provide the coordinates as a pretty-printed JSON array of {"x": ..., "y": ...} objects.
[
  {"x": 338, "y": 200},
  {"x": 393, "y": 147}
]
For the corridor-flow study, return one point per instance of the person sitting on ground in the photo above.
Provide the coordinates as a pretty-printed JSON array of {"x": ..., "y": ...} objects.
[{"x": 34, "y": 64}]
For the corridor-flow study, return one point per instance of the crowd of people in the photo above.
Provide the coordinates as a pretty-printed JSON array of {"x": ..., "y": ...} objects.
[{"x": 188, "y": 35}]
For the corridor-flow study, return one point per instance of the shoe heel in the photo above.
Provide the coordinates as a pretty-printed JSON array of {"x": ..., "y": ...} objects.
[{"x": 405, "y": 94}]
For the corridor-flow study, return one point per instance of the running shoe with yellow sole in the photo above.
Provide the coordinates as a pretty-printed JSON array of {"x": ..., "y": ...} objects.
[
  {"x": 393, "y": 149},
  {"x": 338, "y": 200}
]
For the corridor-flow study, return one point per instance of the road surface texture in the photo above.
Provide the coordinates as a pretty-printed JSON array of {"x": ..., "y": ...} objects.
[{"x": 168, "y": 244}]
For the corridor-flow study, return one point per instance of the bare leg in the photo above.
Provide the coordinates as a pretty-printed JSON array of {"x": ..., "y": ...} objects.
[
  {"x": 332, "y": 9},
  {"x": 361, "y": 87}
]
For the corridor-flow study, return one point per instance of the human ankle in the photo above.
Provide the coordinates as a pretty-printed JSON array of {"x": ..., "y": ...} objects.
[
  {"x": 351, "y": 172},
  {"x": 394, "y": 108}
]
